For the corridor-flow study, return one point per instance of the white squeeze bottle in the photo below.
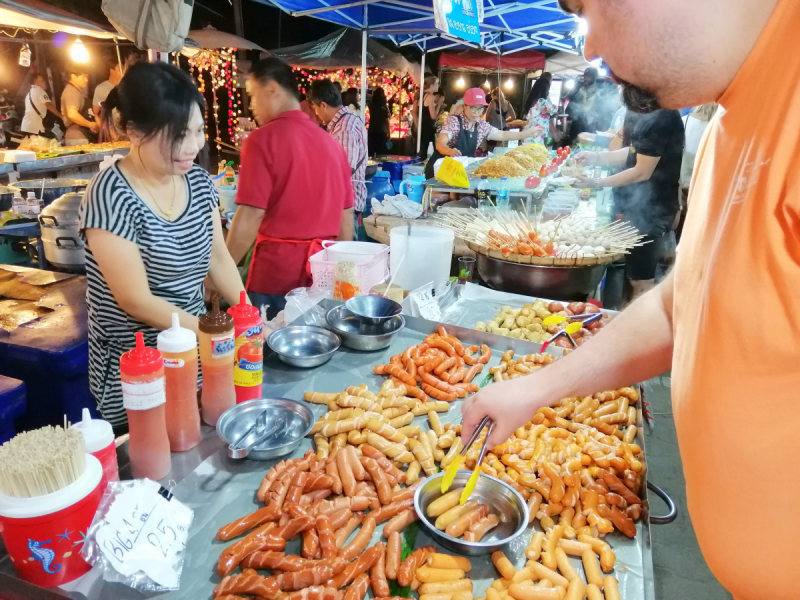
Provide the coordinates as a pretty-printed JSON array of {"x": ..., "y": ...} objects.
[{"x": 98, "y": 436}]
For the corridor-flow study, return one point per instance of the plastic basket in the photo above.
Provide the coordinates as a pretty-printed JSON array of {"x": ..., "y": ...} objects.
[{"x": 370, "y": 273}]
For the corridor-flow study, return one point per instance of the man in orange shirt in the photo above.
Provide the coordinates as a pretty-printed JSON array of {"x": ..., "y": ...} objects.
[{"x": 727, "y": 319}]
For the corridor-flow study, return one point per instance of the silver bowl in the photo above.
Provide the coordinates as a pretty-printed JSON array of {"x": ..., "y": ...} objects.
[
  {"x": 502, "y": 500},
  {"x": 235, "y": 422},
  {"x": 361, "y": 337},
  {"x": 373, "y": 310},
  {"x": 303, "y": 346}
]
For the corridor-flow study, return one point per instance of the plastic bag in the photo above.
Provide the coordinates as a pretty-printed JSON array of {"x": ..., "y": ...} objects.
[
  {"x": 305, "y": 302},
  {"x": 138, "y": 536}
]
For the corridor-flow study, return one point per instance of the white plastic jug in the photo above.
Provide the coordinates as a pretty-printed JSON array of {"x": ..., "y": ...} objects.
[{"x": 428, "y": 252}]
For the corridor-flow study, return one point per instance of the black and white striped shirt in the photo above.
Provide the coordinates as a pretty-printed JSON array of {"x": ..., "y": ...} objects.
[{"x": 176, "y": 256}]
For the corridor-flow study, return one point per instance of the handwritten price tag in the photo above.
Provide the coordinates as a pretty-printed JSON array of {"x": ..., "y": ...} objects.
[
  {"x": 144, "y": 531},
  {"x": 426, "y": 303}
]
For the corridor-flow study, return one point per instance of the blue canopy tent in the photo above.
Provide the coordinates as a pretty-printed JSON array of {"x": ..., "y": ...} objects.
[{"x": 508, "y": 25}]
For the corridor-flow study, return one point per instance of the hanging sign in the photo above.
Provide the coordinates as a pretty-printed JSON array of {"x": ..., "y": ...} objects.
[{"x": 458, "y": 18}]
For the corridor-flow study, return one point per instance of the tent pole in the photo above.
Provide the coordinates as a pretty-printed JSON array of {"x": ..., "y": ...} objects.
[
  {"x": 119, "y": 58},
  {"x": 421, "y": 98},
  {"x": 364, "y": 35}
]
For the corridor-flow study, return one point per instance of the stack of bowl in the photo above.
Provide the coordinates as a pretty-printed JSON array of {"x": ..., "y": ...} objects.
[{"x": 366, "y": 323}]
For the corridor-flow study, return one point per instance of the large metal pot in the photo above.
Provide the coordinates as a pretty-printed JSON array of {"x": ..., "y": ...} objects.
[
  {"x": 6, "y": 197},
  {"x": 50, "y": 189},
  {"x": 63, "y": 246},
  {"x": 559, "y": 283}
]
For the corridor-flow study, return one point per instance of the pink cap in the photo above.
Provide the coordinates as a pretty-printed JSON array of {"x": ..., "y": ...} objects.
[{"x": 475, "y": 97}]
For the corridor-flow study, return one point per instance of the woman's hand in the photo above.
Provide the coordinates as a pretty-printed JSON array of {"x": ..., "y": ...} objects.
[
  {"x": 582, "y": 182},
  {"x": 586, "y": 158},
  {"x": 454, "y": 152},
  {"x": 534, "y": 132}
]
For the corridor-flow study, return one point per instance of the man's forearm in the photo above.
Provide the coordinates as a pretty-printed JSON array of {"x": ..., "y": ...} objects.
[
  {"x": 616, "y": 158},
  {"x": 347, "y": 226},
  {"x": 626, "y": 177},
  {"x": 243, "y": 231}
]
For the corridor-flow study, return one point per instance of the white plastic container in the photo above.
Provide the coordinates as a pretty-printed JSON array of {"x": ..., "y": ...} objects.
[
  {"x": 227, "y": 197},
  {"x": 98, "y": 436},
  {"x": 357, "y": 252},
  {"x": 428, "y": 253}
]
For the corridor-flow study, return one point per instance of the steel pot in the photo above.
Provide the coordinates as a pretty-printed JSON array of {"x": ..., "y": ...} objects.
[
  {"x": 65, "y": 253},
  {"x": 49, "y": 189},
  {"x": 63, "y": 246}
]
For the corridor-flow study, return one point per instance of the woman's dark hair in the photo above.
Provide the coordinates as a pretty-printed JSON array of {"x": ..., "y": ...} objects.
[
  {"x": 540, "y": 89},
  {"x": 351, "y": 97},
  {"x": 324, "y": 90},
  {"x": 154, "y": 98},
  {"x": 378, "y": 100},
  {"x": 274, "y": 69}
]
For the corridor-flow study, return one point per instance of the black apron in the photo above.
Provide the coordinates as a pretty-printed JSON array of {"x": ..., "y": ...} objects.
[{"x": 466, "y": 143}]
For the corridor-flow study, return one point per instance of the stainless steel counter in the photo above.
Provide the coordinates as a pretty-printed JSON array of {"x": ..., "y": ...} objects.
[{"x": 60, "y": 166}]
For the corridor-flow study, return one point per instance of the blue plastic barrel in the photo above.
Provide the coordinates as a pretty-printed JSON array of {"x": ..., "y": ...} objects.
[{"x": 12, "y": 405}]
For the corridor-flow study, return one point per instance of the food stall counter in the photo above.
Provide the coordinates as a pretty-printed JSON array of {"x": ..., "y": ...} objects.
[{"x": 82, "y": 165}]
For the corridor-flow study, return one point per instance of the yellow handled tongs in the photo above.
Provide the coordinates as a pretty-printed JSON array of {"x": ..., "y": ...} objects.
[{"x": 452, "y": 469}]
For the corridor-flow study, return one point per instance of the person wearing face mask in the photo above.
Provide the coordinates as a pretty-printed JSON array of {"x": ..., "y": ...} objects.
[
  {"x": 465, "y": 134},
  {"x": 73, "y": 101},
  {"x": 294, "y": 189},
  {"x": 151, "y": 225}
]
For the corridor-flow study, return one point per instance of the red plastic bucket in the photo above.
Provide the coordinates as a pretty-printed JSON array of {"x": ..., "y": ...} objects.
[{"x": 44, "y": 535}]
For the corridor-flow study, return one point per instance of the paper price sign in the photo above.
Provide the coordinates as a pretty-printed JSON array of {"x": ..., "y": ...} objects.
[
  {"x": 143, "y": 531},
  {"x": 452, "y": 173},
  {"x": 426, "y": 303}
]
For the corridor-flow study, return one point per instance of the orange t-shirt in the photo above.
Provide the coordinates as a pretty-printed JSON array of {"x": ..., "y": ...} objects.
[{"x": 736, "y": 363}]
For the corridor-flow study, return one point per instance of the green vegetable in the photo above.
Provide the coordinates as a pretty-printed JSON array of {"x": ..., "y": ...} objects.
[
  {"x": 487, "y": 380},
  {"x": 409, "y": 539}
]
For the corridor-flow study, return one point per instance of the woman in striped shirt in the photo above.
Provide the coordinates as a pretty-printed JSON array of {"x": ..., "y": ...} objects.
[{"x": 151, "y": 226}]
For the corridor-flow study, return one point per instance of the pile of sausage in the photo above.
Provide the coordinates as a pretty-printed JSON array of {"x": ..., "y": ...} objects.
[
  {"x": 510, "y": 368},
  {"x": 442, "y": 367},
  {"x": 470, "y": 521}
]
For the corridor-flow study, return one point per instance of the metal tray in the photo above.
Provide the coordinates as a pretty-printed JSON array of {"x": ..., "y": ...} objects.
[{"x": 220, "y": 489}]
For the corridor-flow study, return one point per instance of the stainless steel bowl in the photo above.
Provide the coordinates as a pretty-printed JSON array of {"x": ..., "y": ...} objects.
[
  {"x": 562, "y": 283},
  {"x": 303, "y": 346},
  {"x": 235, "y": 422},
  {"x": 357, "y": 336},
  {"x": 373, "y": 310},
  {"x": 502, "y": 500}
]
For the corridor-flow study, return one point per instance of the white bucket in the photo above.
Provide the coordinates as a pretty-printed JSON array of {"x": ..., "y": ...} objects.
[
  {"x": 428, "y": 252},
  {"x": 357, "y": 252},
  {"x": 227, "y": 198}
]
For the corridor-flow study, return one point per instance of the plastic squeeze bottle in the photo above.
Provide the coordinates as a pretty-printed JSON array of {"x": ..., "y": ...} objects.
[
  {"x": 178, "y": 346},
  {"x": 98, "y": 437},
  {"x": 216, "y": 333},
  {"x": 249, "y": 350},
  {"x": 144, "y": 399}
]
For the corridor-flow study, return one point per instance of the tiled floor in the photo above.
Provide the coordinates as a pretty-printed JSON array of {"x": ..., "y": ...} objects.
[{"x": 680, "y": 571}]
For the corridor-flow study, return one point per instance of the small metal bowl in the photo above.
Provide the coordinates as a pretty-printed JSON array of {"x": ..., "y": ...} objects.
[
  {"x": 303, "y": 346},
  {"x": 362, "y": 337},
  {"x": 502, "y": 500},
  {"x": 235, "y": 422},
  {"x": 373, "y": 310}
]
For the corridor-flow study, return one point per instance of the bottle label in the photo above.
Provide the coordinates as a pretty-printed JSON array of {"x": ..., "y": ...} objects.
[
  {"x": 222, "y": 346},
  {"x": 249, "y": 361},
  {"x": 173, "y": 363},
  {"x": 143, "y": 396}
]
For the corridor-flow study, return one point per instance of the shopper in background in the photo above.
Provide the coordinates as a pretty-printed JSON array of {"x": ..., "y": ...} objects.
[
  {"x": 466, "y": 134},
  {"x": 540, "y": 111},
  {"x": 73, "y": 101},
  {"x": 740, "y": 247},
  {"x": 351, "y": 99},
  {"x": 696, "y": 123},
  {"x": 431, "y": 107},
  {"x": 294, "y": 189},
  {"x": 37, "y": 105},
  {"x": 651, "y": 177},
  {"x": 151, "y": 226},
  {"x": 583, "y": 107},
  {"x": 378, "y": 123},
  {"x": 348, "y": 129},
  {"x": 500, "y": 110},
  {"x": 103, "y": 89}
]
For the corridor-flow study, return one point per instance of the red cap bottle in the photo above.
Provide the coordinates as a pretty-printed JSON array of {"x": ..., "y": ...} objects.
[{"x": 248, "y": 363}]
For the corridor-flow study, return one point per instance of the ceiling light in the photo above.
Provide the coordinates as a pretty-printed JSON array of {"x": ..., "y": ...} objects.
[
  {"x": 78, "y": 52},
  {"x": 460, "y": 83},
  {"x": 509, "y": 84},
  {"x": 486, "y": 84},
  {"x": 569, "y": 84}
]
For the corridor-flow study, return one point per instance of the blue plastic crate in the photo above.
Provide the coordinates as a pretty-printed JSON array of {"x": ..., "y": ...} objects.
[
  {"x": 12, "y": 405},
  {"x": 394, "y": 166},
  {"x": 51, "y": 355}
]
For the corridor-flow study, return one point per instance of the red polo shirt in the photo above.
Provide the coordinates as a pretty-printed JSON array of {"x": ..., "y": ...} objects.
[{"x": 298, "y": 174}]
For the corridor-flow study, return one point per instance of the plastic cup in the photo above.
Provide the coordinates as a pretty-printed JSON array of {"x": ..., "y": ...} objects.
[{"x": 466, "y": 266}]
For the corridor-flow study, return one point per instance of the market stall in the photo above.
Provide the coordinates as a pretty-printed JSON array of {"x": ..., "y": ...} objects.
[{"x": 219, "y": 490}]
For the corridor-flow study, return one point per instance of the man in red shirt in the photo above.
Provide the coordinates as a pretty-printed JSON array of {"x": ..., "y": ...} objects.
[{"x": 294, "y": 189}]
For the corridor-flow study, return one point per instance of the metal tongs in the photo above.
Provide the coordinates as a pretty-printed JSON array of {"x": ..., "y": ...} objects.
[
  {"x": 579, "y": 320},
  {"x": 237, "y": 450},
  {"x": 452, "y": 469}
]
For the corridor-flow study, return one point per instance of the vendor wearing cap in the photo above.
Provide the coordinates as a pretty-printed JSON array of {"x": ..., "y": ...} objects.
[{"x": 464, "y": 134}]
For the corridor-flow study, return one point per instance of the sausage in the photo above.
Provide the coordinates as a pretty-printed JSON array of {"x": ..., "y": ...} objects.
[
  {"x": 482, "y": 527},
  {"x": 407, "y": 569},
  {"x": 302, "y": 579},
  {"x": 273, "y": 560},
  {"x": 593, "y": 592},
  {"x": 400, "y": 522},
  {"x": 355, "y": 504},
  {"x": 379, "y": 479},
  {"x": 394, "y": 548},
  {"x": 263, "y": 538},
  {"x": 622, "y": 521},
  {"x": 564, "y": 566},
  {"x": 472, "y": 372},
  {"x": 390, "y": 510},
  {"x": 312, "y": 497},
  {"x": 295, "y": 527},
  {"x": 611, "y": 588},
  {"x": 340, "y": 517},
  {"x": 269, "y": 478},
  {"x": 438, "y": 394},
  {"x": 591, "y": 567},
  {"x": 296, "y": 488},
  {"x": 405, "y": 493},
  {"x": 452, "y": 514},
  {"x": 318, "y": 481},
  {"x": 377, "y": 575},
  {"x": 310, "y": 543},
  {"x": 346, "y": 472},
  {"x": 464, "y": 522},
  {"x": 248, "y": 583},
  {"x": 262, "y": 515},
  {"x": 443, "y": 345},
  {"x": 327, "y": 538},
  {"x": 333, "y": 472},
  {"x": 361, "y": 540},
  {"x": 615, "y": 485},
  {"x": 355, "y": 464},
  {"x": 402, "y": 375},
  {"x": 427, "y": 574},
  {"x": 357, "y": 567},
  {"x": 315, "y": 592},
  {"x": 345, "y": 530},
  {"x": 385, "y": 463},
  {"x": 358, "y": 588}
]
